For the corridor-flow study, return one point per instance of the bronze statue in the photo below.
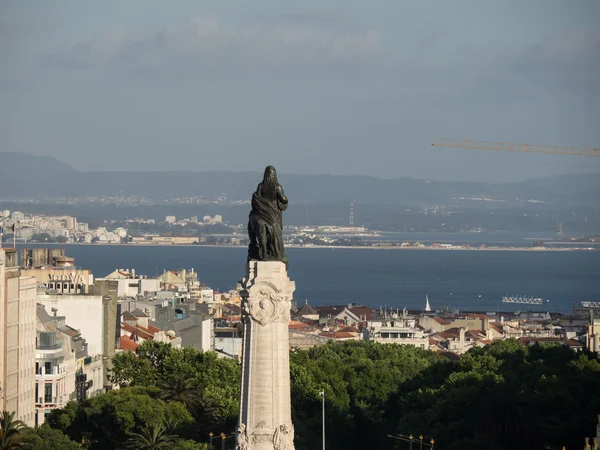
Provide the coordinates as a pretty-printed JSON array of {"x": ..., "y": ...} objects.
[{"x": 265, "y": 224}]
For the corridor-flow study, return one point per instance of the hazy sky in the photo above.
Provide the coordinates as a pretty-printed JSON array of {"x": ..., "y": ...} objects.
[{"x": 337, "y": 86}]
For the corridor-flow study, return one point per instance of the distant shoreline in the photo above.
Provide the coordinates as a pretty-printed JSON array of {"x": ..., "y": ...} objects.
[{"x": 340, "y": 247}]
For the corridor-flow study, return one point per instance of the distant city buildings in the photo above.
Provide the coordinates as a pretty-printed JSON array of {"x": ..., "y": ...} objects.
[{"x": 213, "y": 220}]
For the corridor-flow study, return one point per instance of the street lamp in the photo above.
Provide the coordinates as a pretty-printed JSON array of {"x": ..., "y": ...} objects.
[
  {"x": 223, "y": 441},
  {"x": 322, "y": 394}
]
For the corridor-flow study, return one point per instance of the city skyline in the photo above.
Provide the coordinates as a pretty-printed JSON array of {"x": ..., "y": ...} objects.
[{"x": 342, "y": 89}]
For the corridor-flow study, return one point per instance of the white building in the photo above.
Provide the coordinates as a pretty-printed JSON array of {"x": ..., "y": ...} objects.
[
  {"x": 64, "y": 370},
  {"x": 85, "y": 313},
  {"x": 17, "y": 339},
  {"x": 397, "y": 330},
  {"x": 130, "y": 285},
  {"x": 55, "y": 370},
  {"x": 17, "y": 216},
  {"x": 170, "y": 219},
  {"x": 206, "y": 295}
]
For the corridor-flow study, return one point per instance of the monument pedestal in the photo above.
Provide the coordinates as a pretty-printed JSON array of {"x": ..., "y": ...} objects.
[{"x": 265, "y": 409}]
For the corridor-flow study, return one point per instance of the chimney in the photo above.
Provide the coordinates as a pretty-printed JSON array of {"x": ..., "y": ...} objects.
[
  {"x": 461, "y": 338},
  {"x": 132, "y": 273}
]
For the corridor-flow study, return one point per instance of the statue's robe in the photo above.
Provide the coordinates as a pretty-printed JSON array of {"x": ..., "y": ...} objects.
[{"x": 268, "y": 204}]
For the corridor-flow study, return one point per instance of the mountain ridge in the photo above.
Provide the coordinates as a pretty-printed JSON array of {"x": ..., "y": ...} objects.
[{"x": 48, "y": 176}]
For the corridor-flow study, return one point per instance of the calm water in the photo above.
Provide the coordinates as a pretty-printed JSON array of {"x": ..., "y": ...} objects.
[{"x": 468, "y": 280}]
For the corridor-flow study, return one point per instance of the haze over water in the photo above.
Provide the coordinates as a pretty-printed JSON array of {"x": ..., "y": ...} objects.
[{"x": 468, "y": 280}]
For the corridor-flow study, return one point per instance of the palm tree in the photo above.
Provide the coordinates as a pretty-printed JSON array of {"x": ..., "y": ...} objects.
[
  {"x": 510, "y": 419},
  {"x": 187, "y": 391},
  {"x": 11, "y": 432},
  {"x": 152, "y": 437},
  {"x": 181, "y": 389}
]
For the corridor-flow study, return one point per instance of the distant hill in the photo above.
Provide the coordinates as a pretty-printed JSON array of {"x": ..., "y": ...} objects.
[
  {"x": 14, "y": 163},
  {"x": 24, "y": 175}
]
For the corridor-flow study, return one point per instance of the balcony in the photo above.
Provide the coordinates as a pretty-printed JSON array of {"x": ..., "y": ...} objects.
[{"x": 49, "y": 402}]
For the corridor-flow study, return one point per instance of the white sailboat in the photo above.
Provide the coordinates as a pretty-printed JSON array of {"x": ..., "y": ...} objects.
[{"x": 427, "y": 307}]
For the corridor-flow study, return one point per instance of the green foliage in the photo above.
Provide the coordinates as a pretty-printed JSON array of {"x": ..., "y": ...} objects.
[
  {"x": 46, "y": 438},
  {"x": 11, "y": 431},
  {"x": 358, "y": 379},
  {"x": 499, "y": 397},
  {"x": 151, "y": 437},
  {"x": 215, "y": 382},
  {"x": 106, "y": 420},
  {"x": 189, "y": 445},
  {"x": 504, "y": 396}
]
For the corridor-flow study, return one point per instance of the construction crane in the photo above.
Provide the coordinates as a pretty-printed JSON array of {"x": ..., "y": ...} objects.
[{"x": 509, "y": 147}]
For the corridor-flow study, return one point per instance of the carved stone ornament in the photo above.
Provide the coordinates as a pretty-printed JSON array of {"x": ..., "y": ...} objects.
[
  {"x": 242, "y": 438},
  {"x": 267, "y": 306},
  {"x": 283, "y": 439}
]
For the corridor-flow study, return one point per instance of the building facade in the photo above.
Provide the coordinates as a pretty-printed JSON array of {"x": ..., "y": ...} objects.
[{"x": 17, "y": 339}]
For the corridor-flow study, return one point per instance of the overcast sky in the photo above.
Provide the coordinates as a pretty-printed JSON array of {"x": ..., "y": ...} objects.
[{"x": 337, "y": 86}]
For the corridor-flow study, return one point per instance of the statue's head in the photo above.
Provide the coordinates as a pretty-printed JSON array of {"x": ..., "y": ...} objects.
[{"x": 270, "y": 175}]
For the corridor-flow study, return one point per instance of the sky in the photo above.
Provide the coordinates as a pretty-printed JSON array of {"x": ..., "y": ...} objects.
[{"x": 341, "y": 87}]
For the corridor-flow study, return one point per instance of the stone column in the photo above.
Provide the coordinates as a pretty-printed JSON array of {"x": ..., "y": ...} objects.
[{"x": 265, "y": 409}]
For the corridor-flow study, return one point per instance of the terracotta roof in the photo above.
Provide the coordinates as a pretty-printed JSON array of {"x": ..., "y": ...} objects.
[
  {"x": 295, "y": 325},
  {"x": 232, "y": 308},
  {"x": 497, "y": 327},
  {"x": 127, "y": 344},
  {"x": 442, "y": 321},
  {"x": 475, "y": 334},
  {"x": 477, "y": 316},
  {"x": 451, "y": 356},
  {"x": 307, "y": 310},
  {"x": 337, "y": 334},
  {"x": 333, "y": 310},
  {"x": 573, "y": 343},
  {"x": 144, "y": 333},
  {"x": 450, "y": 333},
  {"x": 361, "y": 311}
]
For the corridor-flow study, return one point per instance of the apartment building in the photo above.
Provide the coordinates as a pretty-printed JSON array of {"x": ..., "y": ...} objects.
[{"x": 17, "y": 338}]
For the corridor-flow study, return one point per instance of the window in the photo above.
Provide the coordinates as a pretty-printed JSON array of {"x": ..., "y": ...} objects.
[
  {"x": 48, "y": 393},
  {"x": 36, "y": 392},
  {"x": 65, "y": 286},
  {"x": 385, "y": 335},
  {"x": 72, "y": 286},
  {"x": 48, "y": 367}
]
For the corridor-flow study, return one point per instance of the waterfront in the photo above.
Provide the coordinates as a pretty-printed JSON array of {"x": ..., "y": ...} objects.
[{"x": 469, "y": 280}]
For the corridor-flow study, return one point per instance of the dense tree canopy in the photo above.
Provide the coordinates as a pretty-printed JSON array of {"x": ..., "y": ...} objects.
[{"x": 499, "y": 397}]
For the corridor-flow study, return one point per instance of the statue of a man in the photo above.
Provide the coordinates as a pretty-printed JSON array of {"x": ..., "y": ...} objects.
[{"x": 265, "y": 224}]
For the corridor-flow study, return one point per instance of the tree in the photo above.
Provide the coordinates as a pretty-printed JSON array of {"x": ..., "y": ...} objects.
[
  {"x": 218, "y": 380},
  {"x": 152, "y": 437},
  {"x": 11, "y": 432},
  {"x": 107, "y": 420},
  {"x": 186, "y": 391},
  {"x": 46, "y": 438}
]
